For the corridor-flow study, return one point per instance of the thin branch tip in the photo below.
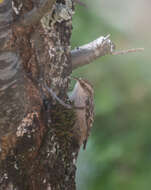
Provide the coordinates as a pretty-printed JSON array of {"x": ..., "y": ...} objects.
[
  {"x": 122, "y": 52},
  {"x": 100, "y": 47}
]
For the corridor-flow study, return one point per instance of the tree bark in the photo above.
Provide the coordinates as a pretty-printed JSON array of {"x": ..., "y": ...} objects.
[{"x": 38, "y": 149}]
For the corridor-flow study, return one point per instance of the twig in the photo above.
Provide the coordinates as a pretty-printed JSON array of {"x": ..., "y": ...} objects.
[
  {"x": 121, "y": 52},
  {"x": 54, "y": 96},
  {"x": 57, "y": 98},
  {"x": 100, "y": 47}
]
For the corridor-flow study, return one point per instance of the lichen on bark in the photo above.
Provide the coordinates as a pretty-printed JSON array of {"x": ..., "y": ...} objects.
[{"x": 38, "y": 151}]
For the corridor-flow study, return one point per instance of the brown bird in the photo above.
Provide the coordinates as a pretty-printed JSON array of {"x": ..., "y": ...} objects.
[{"x": 82, "y": 96}]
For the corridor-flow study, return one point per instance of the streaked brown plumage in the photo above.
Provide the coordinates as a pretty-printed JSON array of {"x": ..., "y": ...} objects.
[{"x": 82, "y": 96}]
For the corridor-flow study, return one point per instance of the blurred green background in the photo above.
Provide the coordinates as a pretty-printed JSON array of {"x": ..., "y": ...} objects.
[{"x": 118, "y": 154}]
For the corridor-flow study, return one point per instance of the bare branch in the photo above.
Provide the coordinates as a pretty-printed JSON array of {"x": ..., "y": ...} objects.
[
  {"x": 100, "y": 47},
  {"x": 87, "y": 53},
  {"x": 35, "y": 14},
  {"x": 121, "y": 52},
  {"x": 57, "y": 98},
  {"x": 53, "y": 94}
]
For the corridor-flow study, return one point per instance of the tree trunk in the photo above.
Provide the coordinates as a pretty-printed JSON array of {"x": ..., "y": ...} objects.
[
  {"x": 37, "y": 150},
  {"x": 38, "y": 147}
]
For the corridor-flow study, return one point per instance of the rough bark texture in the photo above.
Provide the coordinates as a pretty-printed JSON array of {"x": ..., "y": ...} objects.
[
  {"x": 38, "y": 150},
  {"x": 38, "y": 139}
]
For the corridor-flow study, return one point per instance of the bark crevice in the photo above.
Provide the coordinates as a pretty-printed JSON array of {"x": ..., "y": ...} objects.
[{"x": 37, "y": 149}]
